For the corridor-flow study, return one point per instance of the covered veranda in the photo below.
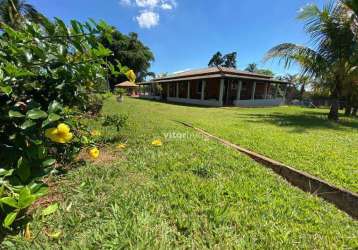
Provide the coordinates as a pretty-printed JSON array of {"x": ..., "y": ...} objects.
[{"x": 218, "y": 87}]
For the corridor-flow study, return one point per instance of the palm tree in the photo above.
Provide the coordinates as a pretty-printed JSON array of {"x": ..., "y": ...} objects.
[
  {"x": 216, "y": 60},
  {"x": 14, "y": 12},
  {"x": 334, "y": 54},
  {"x": 252, "y": 67}
]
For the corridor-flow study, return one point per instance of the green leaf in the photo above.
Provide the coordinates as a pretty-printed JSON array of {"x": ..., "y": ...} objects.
[
  {"x": 27, "y": 124},
  {"x": 36, "y": 114},
  {"x": 55, "y": 106},
  {"x": 50, "y": 209},
  {"x": 9, "y": 201},
  {"x": 25, "y": 198},
  {"x": 6, "y": 89},
  {"x": 2, "y": 189},
  {"x": 6, "y": 173},
  {"x": 15, "y": 114},
  {"x": 52, "y": 117},
  {"x": 48, "y": 162},
  {"x": 9, "y": 219},
  {"x": 55, "y": 235},
  {"x": 40, "y": 192},
  {"x": 23, "y": 169}
]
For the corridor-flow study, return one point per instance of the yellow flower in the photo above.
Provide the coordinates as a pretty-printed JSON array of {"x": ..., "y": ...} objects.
[
  {"x": 157, "y": 143},
  {"x": 61, "y": 134},
  {"x": 94, "y": 153},
  {"x": 121, "y": 146},
  {"x": 27, "y": 232},
  {"x": 95, "y": 133},
  {"x": 131, "y": 75}
]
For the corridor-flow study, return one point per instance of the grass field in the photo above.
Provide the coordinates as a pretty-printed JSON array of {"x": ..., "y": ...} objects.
[
  {"x": 195, "y": 193},
  {"x": 299, "y": 137}
]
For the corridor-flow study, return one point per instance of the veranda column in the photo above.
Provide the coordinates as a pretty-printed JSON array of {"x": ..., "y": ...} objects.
[
  {"x": 188, "y": 96},
  {"x": 221, "y": 93},
  {"x": 203, "y": 86},
  {"x": 238, "y": 94},
  {"x": 177, "y": 92},
  {"x": 266, "y": 90},
  {"x": 253, "y": 91},
  {"x": 168, "y": 85},
  {"x": 276, "y": 92}
]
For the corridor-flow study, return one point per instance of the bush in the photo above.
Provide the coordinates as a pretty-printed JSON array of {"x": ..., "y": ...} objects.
[
  {"x": 46, "y": 72},
  {"x": 94, "y": 105},
  {"x": 118, "y": 121}
]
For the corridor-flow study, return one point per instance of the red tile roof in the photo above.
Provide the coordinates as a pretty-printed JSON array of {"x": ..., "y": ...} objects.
[{"x": 212, "y": 71}]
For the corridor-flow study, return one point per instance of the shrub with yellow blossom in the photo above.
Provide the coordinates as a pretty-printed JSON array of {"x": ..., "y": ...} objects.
[
  {"x": 60, "y": 134},
  {"x": 38, "y": 105}
]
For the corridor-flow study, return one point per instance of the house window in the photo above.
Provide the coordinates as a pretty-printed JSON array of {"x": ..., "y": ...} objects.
[
  {"x": 199, "y": 87},
  {"x": 234, "y": 85}
]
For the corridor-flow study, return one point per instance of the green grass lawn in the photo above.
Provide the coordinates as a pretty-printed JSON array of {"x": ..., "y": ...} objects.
[
  {"x": 299, "y": 137},
  {"x": 193, "y": 193}
]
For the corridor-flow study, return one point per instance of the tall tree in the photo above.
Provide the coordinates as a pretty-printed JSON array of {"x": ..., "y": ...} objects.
[
  {"x": 14, "y": 12},
  {"x": 252, "y": 67},
  {"x": 216, "y": 60},
  {"x": 130, "y": 51},
  {"x": 334, "y": 56},
  {"x": 228, "y": 60}
]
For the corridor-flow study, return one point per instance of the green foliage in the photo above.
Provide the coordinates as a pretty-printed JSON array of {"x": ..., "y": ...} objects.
[
  {"x": 252, "y": 67},
  {"x": 333, "y": 59},
  {"x": 44, "y": 70},
  {"x": 94, "y": 105},
  {"x": 130, "y": 51},
  {"x": 118, "y": 121},
  {"x": 15, "y": 12},
  {"x": 120, "y": 91},
  {"x": 228, "y": 60}
]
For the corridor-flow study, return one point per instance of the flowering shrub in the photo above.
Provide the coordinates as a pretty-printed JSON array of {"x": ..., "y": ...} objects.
[{"x": 46, "y": 72}]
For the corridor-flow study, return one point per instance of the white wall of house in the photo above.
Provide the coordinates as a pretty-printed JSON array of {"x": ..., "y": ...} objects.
[
  {"x": 259, "y": 102},
  {"x": 210, "y": 103}
]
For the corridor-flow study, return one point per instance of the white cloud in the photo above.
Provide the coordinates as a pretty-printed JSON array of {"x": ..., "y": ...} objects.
[
  {"x": 148, "y": 19},
  {"x": 149, "y": 10},
  {"x": 166, "y": 6},
  {"x": 125, "y": 2},
  {"x": 147, "y": 3}
]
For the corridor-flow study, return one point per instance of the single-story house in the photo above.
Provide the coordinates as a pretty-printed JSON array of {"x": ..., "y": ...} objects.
[{"x": 216, "y": 86}]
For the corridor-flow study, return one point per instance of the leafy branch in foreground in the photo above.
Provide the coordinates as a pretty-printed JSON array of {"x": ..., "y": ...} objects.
[{"x": 47, "y": 72}]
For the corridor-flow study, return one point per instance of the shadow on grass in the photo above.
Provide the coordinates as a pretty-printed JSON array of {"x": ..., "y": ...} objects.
[{"x": 301, "y": 121}]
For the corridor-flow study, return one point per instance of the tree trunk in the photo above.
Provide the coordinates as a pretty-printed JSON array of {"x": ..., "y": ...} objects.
[
  {"x": 348, "y": 106},
  {"x": 333, "y": 113},
  {"x": 348, "y": 110},
  {"x": 302, "y": 91},
  {"x": 354, "y": 112}
]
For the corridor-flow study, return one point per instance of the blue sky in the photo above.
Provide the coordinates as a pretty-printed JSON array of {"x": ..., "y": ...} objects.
[{"x": 184, "y": 34}]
